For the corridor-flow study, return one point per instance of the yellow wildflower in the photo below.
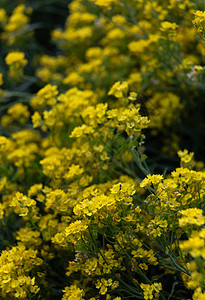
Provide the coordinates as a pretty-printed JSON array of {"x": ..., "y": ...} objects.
[
  {"x": 48, "y": 93},
  {"x": 16, "y": 59},
  {"x": 191, "y": 216},
  {"x": 1, "y": 79},
  {"x": 199, "y": 20},
  {"x": 73, "y": 293},
  {"x": 151, "y": 179},
  {"x": 149, "y": 289},
  {"x": 119, "y": 89},
  {"x": 104, "y": 3},
  {"x": 16, "y": 62}
]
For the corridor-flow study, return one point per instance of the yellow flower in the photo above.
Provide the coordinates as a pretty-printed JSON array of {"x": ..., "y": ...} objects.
[
  {"x": 36, "y": 119},
  {"x": 132, "y": 96},
  {"x": 139, "y": 46},
  {"x": 81, "y": 130},
  {"x": 1, "y": 79},
  {"x": 73, "y": 293},
  {"x": 15, "y": 266},
  {"x": 3, "y": 16},
  {"x": 74, "y": 170},
  {"x": 199, "y": 20},
  {"x": 74, "y": 231},
  {"x": 104, "y": 3},
  {"x": 198, "y": 294},
  {"x": 16, "y": 62},
  {"x": 16, "y": 59},
  {"x": 48, "y": 93},
  {"x": 151, "y": 179},
  {"x": 191, "y": 216},
  {"x": 22, "y": 203},
  {"x": 119, "y": 89},
  {"x": 1, "y": 211},
  {"x": 149, "y": 289},
  {"x": 168, "y": 26},
  {"x": 186, "y": 158},
  {"x": 18, "y": 112}
]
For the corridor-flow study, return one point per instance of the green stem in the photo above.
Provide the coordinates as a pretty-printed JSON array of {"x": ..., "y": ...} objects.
[{"x": 130, "y": 258}]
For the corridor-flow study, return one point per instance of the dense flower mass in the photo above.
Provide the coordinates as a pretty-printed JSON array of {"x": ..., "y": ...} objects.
[{"x": 102, "y": 180}]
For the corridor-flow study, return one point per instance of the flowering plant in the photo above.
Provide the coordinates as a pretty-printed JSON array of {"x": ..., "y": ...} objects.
[{"x": 89, "y": 208}]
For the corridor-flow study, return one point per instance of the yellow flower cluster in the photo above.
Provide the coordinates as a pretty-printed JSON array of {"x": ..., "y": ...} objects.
[
  {"x": 17, "y": 113},
  {"x": 73, "y": 293},
  {"x": 149, "y": 289},
  {"x": 14, "y": 25},
  {"x": 199, "y": 20},
  {"x": 1, "y": 79},
  {"x": 191, "y": 216},
  {"x": 16, "y": 265},
  {"x": 186, "y": 159},
  {"x": 16, "y": 61},
  {"x": 194, "y": 247},
  {"x": 16, "y": 58}
]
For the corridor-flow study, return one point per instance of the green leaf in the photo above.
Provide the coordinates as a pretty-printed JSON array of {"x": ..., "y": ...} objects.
[{"x": 143, "y": 157}]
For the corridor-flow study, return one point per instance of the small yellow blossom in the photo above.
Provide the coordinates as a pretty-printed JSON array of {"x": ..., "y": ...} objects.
[
  {"x": 74, "y": 230},
  {"x": 16, "y": 59},
  {"x": 191, "y": 216},
  {"x": 139, "y": 47},
  {"x": 22, "y": 203},
  {"x": 1, "y": 211},
  {"x": 3, "y": 16},
  {"x": 149, "y": 289},
  {"x": 186, "y": 158},
  {"x": 168, "y": 26},
  {"x": 199, "y": 20},
  {"x": 73, "y": 293},
  {"x": 119, "y": 89},
  {"x": 1, "y": 79},
  {"x": 16, "y": 62},
  {"x": 48, "y": 93},
  {"x": 104, "y": 3},
  {"x": 36, "y": 119},
  {"x": 18, "y": 112},
  {"x": 151, "y": 179}
]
